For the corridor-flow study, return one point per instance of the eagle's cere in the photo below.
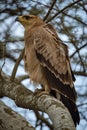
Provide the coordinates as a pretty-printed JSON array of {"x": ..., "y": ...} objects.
[{"x": 47, "y": 61}]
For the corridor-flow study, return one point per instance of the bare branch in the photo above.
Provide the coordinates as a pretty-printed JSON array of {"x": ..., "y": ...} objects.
[
  {"x": 78, "y": 50},
  {"x": 40, "y": 3},
  {"x": 23, "y": 77},
  {"x": 47, "y": 6},
  {"x": 75, "y": 18},
  {"x": 23, "y": 97},
  {"x": 40, "y": 117},
  {"x": 12, "y": 11},
  {"x": 68, "y": 6},
  {"x": 83, "y": 6},
  {"x": 79, "y": 73},
  {"x": 16, "y": 65},
  {"x": 81, "y": 60},
  {"x": 51, "y": 7},
  {"x": 82, "y": 104},
  {"x": 84, "y": 116}
]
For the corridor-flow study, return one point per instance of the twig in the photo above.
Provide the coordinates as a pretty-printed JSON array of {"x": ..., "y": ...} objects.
[
  {"x": 61, "y": 12},
  {"x": 22, "y": 77},
  {"x": 68, "y": 6},
  {"x": 82, "y": 104},
  {"x": 85, "y": 9},
  {"x": 80, "y": 57},
  {"x": 16, "y": 65},
  {"x": 40, "y": 3},
  {"x": 84, "y": 116},
  {"x": 75, "y": 19},
  {"x": 51, "y": 7},
  {"x": 79, "y": 73},
  {"x": 40, "y": 117},
  {"x": 78, "y": 50}
]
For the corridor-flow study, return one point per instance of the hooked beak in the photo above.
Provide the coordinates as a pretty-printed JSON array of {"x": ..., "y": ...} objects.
[{"x": 17, "y": 19}]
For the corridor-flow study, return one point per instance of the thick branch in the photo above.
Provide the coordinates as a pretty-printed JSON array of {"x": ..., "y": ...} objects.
[
  {"x": 10, "y": 120},
  {"x": 24, "y": 98}
]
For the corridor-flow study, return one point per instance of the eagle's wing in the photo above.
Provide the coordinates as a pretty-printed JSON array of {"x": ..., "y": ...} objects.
[{"x": 53, "y": 55}]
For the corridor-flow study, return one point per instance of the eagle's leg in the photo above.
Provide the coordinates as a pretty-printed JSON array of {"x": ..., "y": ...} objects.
[
  {"x": 45, "y": 90},
  {"x": 37, "y": 91}
]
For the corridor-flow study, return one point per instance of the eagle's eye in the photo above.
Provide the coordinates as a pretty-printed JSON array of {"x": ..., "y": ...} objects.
[{"x": 26, "y": 17}]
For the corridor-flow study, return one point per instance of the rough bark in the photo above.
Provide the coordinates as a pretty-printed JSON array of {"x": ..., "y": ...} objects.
[
  {"x": 24, "y": 98},
  {"x": 10, "y": 120}
]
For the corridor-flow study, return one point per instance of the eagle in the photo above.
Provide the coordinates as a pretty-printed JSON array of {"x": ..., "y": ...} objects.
[{"x": 47, "y": 62}]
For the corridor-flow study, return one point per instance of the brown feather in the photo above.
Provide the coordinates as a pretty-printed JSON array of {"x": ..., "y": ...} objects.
[
  {"x": 55, "y": 52},
  {"x": 47, "y": 61},
  {"x": 53, "y": 55}
]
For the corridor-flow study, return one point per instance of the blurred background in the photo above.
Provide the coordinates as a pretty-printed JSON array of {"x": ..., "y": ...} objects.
[{"x": 70, "y": 21}]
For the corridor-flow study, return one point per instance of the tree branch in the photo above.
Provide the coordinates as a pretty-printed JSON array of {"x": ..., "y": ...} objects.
[
  {"x": 22, "y": 77},
  {"x": 40, "y": 117},
  {"x": 79, "y": 73},
  {"x": 81, "y": 60},
  {"x": 16, "y": 65},
  {"x": 75, "y": 18},
  {"x": 10, "y": 120},
  {"x": 78, "y": 50},
  {"x": 23, "y": 97},
  {"x": 68, "y": 6},
  {"x": 51, "y": 7}
]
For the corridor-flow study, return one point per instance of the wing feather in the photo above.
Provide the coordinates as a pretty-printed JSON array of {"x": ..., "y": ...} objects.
[{"x": 53, "y": 54}]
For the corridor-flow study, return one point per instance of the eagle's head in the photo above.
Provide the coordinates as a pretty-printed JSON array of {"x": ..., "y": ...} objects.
[{"x": 29, "y": 20}]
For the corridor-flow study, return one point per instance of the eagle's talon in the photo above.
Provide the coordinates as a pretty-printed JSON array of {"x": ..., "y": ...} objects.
[
  {"x": 40, "y": 93},
  {"x": 38, "y": 90}
]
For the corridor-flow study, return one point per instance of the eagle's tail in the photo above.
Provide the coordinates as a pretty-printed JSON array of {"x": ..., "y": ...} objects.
[
  {"x": 71, "y": 106},
  {"x": 72, "y": 109}
]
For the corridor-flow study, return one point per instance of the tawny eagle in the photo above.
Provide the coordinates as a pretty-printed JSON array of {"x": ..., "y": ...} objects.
[{"x": 47, "y": 62}]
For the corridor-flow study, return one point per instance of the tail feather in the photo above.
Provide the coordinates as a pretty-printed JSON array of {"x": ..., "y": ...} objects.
[
  {"x": 72, "y": 109},
  {"x": 66, "y": 93},
  {"x": 71, "y": 106}
]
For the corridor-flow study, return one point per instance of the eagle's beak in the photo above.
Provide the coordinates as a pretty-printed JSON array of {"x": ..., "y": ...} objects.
[{"x": 17, "y": 19}]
